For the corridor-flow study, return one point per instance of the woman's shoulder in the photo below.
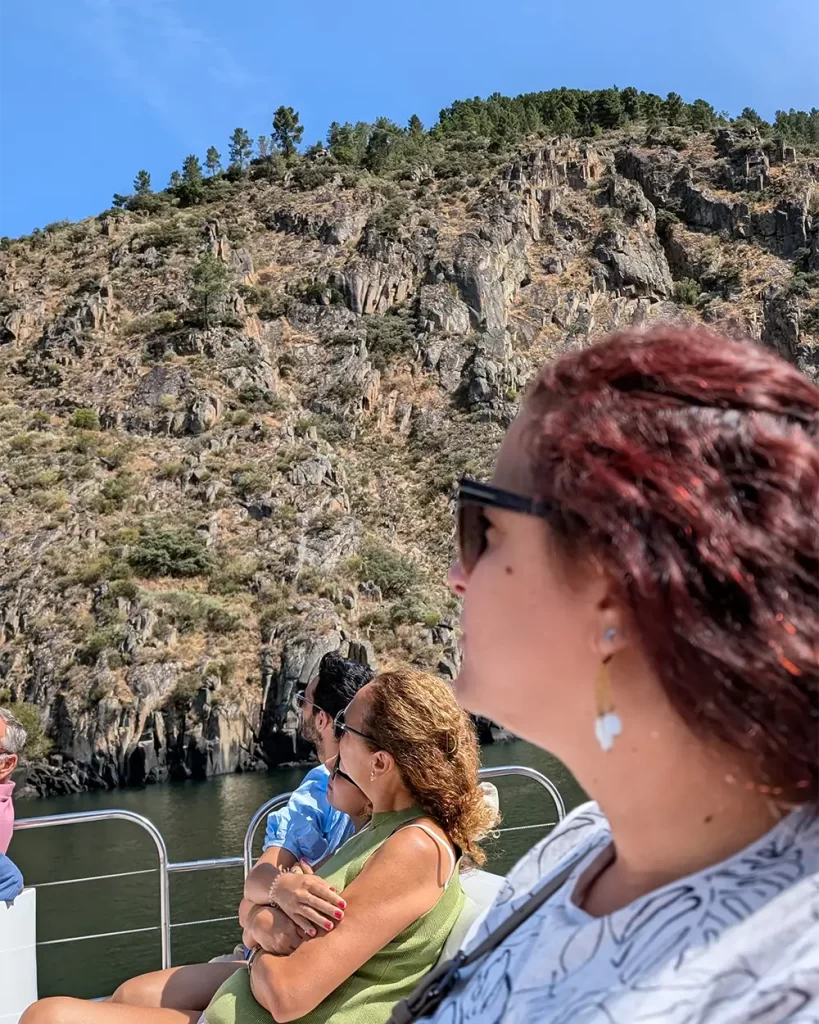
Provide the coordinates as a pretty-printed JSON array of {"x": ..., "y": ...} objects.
[{"x": 584, "y": 826}]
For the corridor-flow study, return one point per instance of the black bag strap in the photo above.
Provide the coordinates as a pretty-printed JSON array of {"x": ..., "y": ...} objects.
[{"x": 442, "y": 979}]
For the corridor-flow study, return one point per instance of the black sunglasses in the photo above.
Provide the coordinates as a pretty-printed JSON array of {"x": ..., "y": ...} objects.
[
  {"x": 340, "y": 727},
  {"x": 473, "y": 498},
  {"x": 342, "y": 775}
]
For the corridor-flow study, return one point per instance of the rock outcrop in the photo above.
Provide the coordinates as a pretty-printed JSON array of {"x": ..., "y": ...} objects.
[{"x": 196, "y": 503}]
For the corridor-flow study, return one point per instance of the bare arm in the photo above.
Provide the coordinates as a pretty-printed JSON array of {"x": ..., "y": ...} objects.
[
  {"x": 271, "y": 929},
  {"x": 398, "y": 884},
  {"x": 274, "y": 860}
]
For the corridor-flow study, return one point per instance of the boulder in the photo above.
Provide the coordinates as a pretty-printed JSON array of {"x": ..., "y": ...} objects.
[
  {"x": 441, "y": 309},
  {"x": 635, "y": 263}
]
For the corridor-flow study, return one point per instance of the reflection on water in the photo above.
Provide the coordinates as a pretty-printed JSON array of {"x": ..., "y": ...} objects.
[{"x": 198, "y": 820}]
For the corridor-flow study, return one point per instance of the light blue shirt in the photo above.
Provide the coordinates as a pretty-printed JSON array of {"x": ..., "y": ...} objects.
[
  {"x": 308, "y": 826},
  {"x": 11, "y": 881}
]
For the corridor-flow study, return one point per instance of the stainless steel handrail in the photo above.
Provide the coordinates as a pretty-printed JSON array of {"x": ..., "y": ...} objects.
[
  {"x": 84, "y": 817},
  {"x": 484, "y": 773},
  {"x": 529, "y": 773},
  {"x": 250, "y": 834},
  {"x": 166, "y": 868}
]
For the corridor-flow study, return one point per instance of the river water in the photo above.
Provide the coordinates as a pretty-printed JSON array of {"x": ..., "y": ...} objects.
[{"x": 198, "y": 820}]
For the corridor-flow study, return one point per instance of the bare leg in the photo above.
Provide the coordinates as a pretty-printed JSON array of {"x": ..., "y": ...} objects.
[
  {"x": 180, "y": 988},
  {"x": 63, "y": 1010}
]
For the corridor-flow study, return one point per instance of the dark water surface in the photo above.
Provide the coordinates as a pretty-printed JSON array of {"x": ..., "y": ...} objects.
[{"x": 199, "y": 820}]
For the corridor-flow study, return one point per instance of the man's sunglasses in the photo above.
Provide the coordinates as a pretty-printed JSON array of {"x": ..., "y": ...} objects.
[
  {"x": 340, "y": 727},
  {"x": 301, "y": 700},
  {"x": 473, "y": 498},
  {"x": 342, "y": 775}
]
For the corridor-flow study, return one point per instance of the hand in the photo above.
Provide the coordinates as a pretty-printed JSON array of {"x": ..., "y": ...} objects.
[
  {"x": 308, "y": 900},
  {"x": 272, "y": 930},
  {"x": 245, "y": 908}
]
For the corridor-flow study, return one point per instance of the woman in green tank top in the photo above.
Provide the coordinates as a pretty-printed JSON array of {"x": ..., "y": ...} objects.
[{"x": 412, "y": 751}]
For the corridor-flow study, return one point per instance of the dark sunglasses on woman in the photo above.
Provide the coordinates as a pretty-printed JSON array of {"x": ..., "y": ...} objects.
[
  {"x": 342, "y": 775},
  {"x": 340, "y": 727},
  {"x": 473, "y": 498}
]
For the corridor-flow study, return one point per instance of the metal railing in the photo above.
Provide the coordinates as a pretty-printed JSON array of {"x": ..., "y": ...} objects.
[{"x": 166, "y": 868}]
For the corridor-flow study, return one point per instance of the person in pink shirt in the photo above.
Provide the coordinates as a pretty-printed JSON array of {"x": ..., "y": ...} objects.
[{"x": 12, "y": 741}]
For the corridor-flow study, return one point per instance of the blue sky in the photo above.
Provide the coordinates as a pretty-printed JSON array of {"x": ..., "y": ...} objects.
[{"x": 93, "y": 90}]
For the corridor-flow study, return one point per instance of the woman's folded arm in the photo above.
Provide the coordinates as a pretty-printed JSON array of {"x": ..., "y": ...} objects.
[{"x": 398, "y": 884}]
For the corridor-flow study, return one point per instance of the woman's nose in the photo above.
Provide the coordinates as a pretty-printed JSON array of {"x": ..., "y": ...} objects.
[{"x": 457, "y": 579}]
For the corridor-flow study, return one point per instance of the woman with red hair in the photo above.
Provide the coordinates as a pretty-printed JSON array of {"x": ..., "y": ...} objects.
[{"x": 641, "y": 598}]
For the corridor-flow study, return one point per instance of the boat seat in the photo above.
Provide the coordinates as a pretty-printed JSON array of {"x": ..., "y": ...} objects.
[
  {"x": 18, "y": 956},
  {"x": 480, "y": 889}
]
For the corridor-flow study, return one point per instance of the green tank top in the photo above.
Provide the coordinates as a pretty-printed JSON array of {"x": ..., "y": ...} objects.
[{"x": 368, "y": 996}]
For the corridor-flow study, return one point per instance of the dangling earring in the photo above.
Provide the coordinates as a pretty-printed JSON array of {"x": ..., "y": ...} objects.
[
  {"x": 372, "y": 775},
  {"x": 607, "y": 725}
]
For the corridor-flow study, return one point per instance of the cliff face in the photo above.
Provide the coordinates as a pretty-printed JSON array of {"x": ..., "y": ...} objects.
[{"x": 205, "y": 486}]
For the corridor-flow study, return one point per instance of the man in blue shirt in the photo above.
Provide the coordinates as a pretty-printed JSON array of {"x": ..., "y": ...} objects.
[{"x": 308, "y": 827}]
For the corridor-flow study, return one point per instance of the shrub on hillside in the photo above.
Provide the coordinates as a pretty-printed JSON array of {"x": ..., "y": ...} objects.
[
  {"x": 85, "y": 419},
  {"x": 392, "y": 572},
  {"x": 170, "y": 551},
  {"x": 686, "y": 291}
]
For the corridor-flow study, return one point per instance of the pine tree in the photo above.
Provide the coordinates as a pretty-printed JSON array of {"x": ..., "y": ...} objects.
[
  {"x": 213, "y": 160},
  {"x": 702, "y": 115},
  {"x": 564, "y": 122},
  {"x": 383, "y": 138},
  {"x": 263, "y": 147},
  {"x": 608, "y": 108},
  {"x": 674, "y": 108},
  {"x": 415, "y": 125},
  {"x": 192, "y": 170},
  {"x": 287, "y": 132},
  {"x": 631, "y": 102},
  {"x": 211, "y": 283},
  {"x": 651, "y": 106},
  {"x": 175, "y": 180},
  {"x": 241, "y": 148},
  {"x": 142, "y": 183}
]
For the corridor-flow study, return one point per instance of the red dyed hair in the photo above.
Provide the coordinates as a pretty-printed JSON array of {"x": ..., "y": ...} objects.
[{"x": 689, "y": 465}]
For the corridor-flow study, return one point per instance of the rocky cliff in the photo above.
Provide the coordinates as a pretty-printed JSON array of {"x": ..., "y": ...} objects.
[{"x": 197, "y": 501}]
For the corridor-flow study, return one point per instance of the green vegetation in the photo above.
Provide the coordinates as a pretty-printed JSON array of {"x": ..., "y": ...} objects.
[
  {"x": 287, "y": 132},
  {"x": 85, "y": 419},
  {"x": 211, "y": 283},
  {"x": 241, "y": 148},
  {"x": 191, "y": 612},
  {"x": 169, "y": 551},
  {"x": 686, "y": 291},
  {"x": 392, "y": 572},
  {"x": 389, "y": 337}
]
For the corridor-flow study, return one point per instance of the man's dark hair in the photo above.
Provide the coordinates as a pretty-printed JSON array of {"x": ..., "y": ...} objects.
[{"x": 339, "y": 680}]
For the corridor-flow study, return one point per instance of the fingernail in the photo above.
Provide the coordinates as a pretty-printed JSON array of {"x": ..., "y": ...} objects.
[
  {"x": 332, "y": 889},
  {"x": 342, "y": 904},
  {"x": 328, "y": 925},
  {"x": 312, "y": 932},
  {"x": 338, "y": 914}
]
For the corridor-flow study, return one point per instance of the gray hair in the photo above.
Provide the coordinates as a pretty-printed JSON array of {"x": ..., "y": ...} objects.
[{"x": 15, "y": 737}]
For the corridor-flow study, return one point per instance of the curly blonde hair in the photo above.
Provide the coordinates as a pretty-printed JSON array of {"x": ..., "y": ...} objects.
[{"x": 415, "y": 717}]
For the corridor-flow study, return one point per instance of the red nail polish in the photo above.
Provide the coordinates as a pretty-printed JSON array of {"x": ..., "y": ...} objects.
[
  {"x": 328, "y": 925},
  {"x": 339, "y": 914},
  {"x": 342, "y": 904},
  {"x": 312, "y": 932}
]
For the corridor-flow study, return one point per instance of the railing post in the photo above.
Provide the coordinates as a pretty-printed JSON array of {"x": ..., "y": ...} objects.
[
  {"x": 250, "y": 834},
  {"x": 81, "y": 817}
]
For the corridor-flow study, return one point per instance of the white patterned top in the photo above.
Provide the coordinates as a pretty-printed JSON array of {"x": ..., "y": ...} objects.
[{"x": 735, "y": 943}]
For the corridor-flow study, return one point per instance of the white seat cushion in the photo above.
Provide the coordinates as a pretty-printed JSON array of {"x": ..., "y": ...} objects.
[
  {"x": 480, "y": 889},
  {"x": 18, "y": 956}
]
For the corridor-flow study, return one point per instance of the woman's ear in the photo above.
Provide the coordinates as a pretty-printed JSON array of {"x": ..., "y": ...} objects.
[{"x": 383, "y": 763}]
